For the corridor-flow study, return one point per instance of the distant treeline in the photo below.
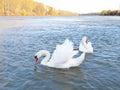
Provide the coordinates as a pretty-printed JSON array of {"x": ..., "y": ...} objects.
[
  {"x": 111, "y": 12},
  {"x": 29, "y": 8}
]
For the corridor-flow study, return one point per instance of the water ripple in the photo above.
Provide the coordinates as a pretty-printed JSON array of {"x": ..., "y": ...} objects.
[{"x": 19, "y": 43}]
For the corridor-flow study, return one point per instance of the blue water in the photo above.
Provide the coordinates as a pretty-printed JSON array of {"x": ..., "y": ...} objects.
[{"x": 22, "y": 37}]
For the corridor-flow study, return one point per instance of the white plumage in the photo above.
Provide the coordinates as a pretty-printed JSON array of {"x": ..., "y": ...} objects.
[
  {"x": 62, "y": 56},
  {"x": 85, "y": 45}
]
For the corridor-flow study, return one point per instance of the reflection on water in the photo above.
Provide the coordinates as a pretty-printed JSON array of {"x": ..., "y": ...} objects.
[
  {"x": 22, "y": 37},
  {"x": 62, "y": 77}
]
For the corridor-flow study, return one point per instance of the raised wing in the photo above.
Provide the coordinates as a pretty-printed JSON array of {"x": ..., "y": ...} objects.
[{"x": 63, "y": 53}]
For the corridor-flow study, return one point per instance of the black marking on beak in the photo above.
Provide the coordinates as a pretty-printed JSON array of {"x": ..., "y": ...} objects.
[{"x": 35, "y": 59}]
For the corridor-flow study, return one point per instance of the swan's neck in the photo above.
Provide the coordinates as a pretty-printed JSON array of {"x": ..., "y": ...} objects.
[
  {"x": 80, "y": 59},
  {"x": 84, "y": 43},
  {"x": 46, "y": 58}
]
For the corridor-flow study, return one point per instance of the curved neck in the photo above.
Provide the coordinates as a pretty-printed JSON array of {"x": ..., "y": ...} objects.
[
  {"x": 80, "y": 59},
  {"x": 84, "y": 42},
  {"x": 46, "y": 58}
]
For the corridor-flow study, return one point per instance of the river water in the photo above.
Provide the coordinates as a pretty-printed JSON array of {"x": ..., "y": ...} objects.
[{"x": 22, "y": 37}]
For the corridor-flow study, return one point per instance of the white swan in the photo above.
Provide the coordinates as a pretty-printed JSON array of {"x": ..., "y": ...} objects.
[
  {"x": 85, "y": 45},
  {"x": 62, "y": 56}
]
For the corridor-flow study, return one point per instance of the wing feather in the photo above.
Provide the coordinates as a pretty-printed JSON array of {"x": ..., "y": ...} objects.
[{"x": 63, "y": 53}]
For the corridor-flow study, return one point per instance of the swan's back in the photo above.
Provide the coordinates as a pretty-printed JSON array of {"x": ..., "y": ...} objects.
[{"x": 62, "y": 53}]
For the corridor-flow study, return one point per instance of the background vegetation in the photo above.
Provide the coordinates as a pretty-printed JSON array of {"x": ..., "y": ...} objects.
[
  {"x": 110, "y": 12},
  {"x": 29, "y": 8}
]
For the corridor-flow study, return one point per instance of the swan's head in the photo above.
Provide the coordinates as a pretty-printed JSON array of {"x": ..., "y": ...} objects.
[
  {"x": 35, "y": 58},
  {"x": 37, "y": 55},
  {"x": 85, "y": 40},
  {"x": 41, "y": 53}
]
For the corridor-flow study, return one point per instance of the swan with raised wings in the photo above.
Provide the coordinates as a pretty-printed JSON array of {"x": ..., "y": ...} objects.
[{"x": 62, "y": 56}]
